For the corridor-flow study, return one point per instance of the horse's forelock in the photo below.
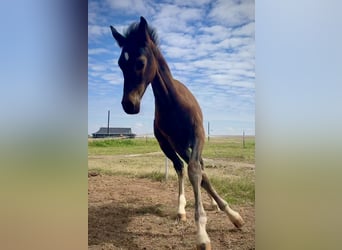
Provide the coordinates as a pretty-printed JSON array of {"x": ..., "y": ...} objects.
[{"x": 132, "y": 32}]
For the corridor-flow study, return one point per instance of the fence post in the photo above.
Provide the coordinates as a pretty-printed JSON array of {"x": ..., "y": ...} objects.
[
  {"x": 208, "y": 131},
  {"x": 166, "y": 169}
]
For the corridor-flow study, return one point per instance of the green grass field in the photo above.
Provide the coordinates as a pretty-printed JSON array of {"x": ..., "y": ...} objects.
[
  {"x": 229, "y": 165},
  {"x": 227, "y": 148},
  {"x": 122, "y": 146}
]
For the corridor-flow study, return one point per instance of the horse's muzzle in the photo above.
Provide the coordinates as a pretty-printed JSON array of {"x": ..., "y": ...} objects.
[{"x": 130, "y": 108}]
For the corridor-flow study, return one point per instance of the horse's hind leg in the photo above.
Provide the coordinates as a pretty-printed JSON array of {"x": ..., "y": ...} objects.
[
  {"x": 234, "y": 216},
  {"x": 214, "y": 204}
]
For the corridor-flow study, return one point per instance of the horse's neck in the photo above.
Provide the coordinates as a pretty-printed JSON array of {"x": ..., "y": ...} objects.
[{"x": 163, "y": 85}]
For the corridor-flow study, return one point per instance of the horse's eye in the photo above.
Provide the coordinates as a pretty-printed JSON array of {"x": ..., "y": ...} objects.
[{"x": 139, "y": 65}]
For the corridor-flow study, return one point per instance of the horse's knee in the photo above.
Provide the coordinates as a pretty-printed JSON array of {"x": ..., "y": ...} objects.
[
  {"x": 194, "y": 172},
  {"x": 194, "y": 167}
]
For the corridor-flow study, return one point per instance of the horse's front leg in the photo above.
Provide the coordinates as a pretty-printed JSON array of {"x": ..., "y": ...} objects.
[
  {"x": 178, "y": 165},
  {"x": 181, "y": 196}
]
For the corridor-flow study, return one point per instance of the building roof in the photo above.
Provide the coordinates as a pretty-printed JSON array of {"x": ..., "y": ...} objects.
[{"x": 117, "y": 131}]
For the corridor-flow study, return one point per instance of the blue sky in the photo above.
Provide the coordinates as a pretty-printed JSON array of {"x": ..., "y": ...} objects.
[{"x": 209, "y": 46}]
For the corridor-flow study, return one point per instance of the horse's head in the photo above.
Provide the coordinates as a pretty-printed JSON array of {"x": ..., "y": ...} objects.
[{"x": 136, "y": 62}]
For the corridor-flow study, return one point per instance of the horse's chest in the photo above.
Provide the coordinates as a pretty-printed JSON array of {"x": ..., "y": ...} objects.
[{"x": 174, "y": 125}]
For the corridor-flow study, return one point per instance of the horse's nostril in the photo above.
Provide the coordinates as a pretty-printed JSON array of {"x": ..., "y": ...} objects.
[{"x": 130, "y": 108}]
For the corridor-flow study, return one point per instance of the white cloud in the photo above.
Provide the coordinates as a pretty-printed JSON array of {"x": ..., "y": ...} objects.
[
  {"x": 183, "y": 14},
  {"x": 93, "y": 8},
  {"x": 232, "y": 12},
  {"x": 94, "y": 67},
  {"x": 245, "y": 30},
  {"x": 112, "y": 78},
  {"x": 96, "y": 51},
  {"x": 97, "y": 30},
  {"x": 216, "y": 32},
  {"x": 140, "y": 7},
  {"x": 197, "y": 3},
  {"x": 178, "y": 39},
  {"x": 230, "y": 80},
  {"x": 166, "y": 15}
]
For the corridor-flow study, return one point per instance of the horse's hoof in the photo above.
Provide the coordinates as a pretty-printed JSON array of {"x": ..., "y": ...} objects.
[
  {"x": 234, "y": 217},
  {"x": 237, "y": 221},
  {"x": 204, "y": 246},
  {"x": 181, "y": 217}
]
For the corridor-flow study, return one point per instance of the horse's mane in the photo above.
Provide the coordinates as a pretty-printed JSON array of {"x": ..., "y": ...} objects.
[{"x": 132, "y": 32}]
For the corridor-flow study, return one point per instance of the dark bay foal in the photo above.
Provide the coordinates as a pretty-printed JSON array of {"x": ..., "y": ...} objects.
[{"x": 178, "y": 123}]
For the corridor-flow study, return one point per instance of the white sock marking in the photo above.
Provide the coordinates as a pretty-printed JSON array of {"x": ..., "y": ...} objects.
[
  {"x": 214, "y": 204},
  {"x": 234, "y": 216},
  {"x": 181, "y": 197},
  {"x": 182, "y": 204},
  {"x": 202, "y": 236}
]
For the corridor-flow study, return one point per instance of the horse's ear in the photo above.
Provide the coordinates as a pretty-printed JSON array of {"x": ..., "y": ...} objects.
[
  {"x": 120, "y": 39},
  {"x": 143, "y": 31},
  {"x": 143, "y": 21}
]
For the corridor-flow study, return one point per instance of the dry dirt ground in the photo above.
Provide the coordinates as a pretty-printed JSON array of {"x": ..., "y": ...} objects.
[{"x": 132, "y": 213}]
